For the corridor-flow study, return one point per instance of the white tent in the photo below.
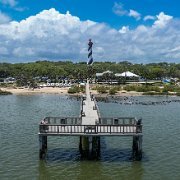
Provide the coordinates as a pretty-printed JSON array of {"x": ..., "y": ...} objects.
[
  {"x": 126, "y": 74},
  {"x": 101, "y": 74}
]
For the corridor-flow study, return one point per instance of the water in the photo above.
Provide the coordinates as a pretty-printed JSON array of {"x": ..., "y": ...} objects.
[{"x": 19, "y": 118}]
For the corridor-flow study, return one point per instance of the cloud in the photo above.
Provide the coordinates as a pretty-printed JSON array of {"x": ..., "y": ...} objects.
[
  {"x": 3, "y": 51},
  {"x": 124, "y": 29},
  {"x": 162, "y": 20},
  {"x": 54, "y": 36},
  {"x": 149, "y": 17},
  {"x": 11, "y": 3},
  {"x": 134, "y": 14},
  {"x": 119, "y": 10},
  {"x": 4, "y": 18}
]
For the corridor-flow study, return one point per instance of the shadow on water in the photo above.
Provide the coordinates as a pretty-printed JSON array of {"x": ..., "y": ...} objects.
[
  {"x": 67, "y": 164},
  {"x": 113, "y": 163},
  {"x": 106, "y": 155},
  {"x": 63, "y": 154},
  {"x": 120, "y": 155},
  {"x": 116, "y": 155}
]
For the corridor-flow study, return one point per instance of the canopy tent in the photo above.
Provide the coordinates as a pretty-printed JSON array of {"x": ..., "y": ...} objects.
[
  {"x": 105, "y": 72},
  {"x": 126, "y": 74}
]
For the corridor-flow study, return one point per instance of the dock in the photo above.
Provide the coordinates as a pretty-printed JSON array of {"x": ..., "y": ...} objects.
[{"x": 90, "y": 127}]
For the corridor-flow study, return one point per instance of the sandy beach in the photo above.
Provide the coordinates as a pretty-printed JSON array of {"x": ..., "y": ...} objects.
[
  {"x": 61, "y": 91},
  {"x": 45, "y": 90}
]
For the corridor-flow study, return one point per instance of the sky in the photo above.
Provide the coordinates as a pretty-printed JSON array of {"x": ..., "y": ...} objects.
[{"x": 138, "y": 31}]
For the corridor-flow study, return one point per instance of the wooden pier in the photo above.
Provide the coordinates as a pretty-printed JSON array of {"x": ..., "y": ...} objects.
[{"x": 90, "y": 126}]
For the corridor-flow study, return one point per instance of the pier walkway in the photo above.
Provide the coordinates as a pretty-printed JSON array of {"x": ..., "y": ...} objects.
[
  {"x": 90, "y": 126},
  {"x": 90, "y": 116}
]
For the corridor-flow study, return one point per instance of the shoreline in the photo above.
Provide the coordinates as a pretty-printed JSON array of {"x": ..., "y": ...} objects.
[
  {"x": 45, "y": 90},
  {"x": 63, "y": 91}
]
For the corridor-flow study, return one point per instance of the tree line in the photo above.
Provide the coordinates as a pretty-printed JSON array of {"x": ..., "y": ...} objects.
[{"x": 80, "y": 70}]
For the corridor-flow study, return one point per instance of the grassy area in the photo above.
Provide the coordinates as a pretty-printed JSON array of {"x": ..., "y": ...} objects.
[
  {"x": 4, "y": 92},
  {"x": 102, "y": 89},
  {"x": 178, "y": 94},
  {"x": 146, "y": 89},
  {"x": 76, "y": 89},
  {"x": 142, "y": 88},
  {"x": 113, "y": 91}
]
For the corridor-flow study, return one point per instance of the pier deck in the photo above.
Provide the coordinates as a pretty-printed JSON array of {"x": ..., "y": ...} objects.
[
  {"x": 90, "y": 126},
  {"x": 90, "y": 123},
  {"x": 90, "y": 114}
]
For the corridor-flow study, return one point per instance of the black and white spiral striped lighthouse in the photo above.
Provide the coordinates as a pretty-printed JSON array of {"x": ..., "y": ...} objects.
[{"x": 90, "y": 58}]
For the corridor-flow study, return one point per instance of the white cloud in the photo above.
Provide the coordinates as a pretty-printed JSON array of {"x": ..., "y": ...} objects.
[
  {"x": 4, "y": 18},
  {"x": 55, "y": 36},
  {"x": 149, "y": 17},
  {"x": 175, "y": 49},
  {"x": 11, "y": 3},
  {"x": 134, "y": 14},
  {"x": 124, "y": 29},
  {"x": 21, "y": 9},
  {"x": 3, "y": 51},
  {"x": 119, "y": 10},
  {"x": 162, "y": 20}
]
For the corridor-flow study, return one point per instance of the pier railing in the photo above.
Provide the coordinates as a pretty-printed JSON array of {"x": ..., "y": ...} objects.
[
  {"x": 118, "y": 120},
  {"x": 97, "y": 108},
  {"x": 61, "y": 120},
  {"x": 122, "y": 129}
]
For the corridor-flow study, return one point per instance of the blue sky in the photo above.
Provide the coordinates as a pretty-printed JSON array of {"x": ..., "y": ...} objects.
[
  {"x": 96, "y": 10},
  {"x": 121, "y": 30}
]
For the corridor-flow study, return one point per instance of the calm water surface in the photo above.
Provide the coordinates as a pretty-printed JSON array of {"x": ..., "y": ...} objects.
[{"x": 19, "y": 118}]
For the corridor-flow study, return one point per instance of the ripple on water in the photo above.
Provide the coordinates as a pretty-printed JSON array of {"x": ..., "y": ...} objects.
[{"x": 19, "y": 117}]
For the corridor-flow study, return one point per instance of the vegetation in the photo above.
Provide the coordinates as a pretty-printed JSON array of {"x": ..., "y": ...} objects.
[
  {"x": 178, "y": 94},
  {"x": 105, "y": 89},
  {"x": 3, "y": 85},
  {"x": 61, "y": 69},
  {"x": 30, "y": 74},
  {"x": 147, "y": 90},
  {"x": 4, "y": 92},
  {"x": 113, "y": 91},
  {"x": 171, "y": 88},
  {"x": 152, "y": 93},
  {"x": 141, "y": 88},
  {"x": 76, "y": 89},
  {"x": 102, "y": 89}
]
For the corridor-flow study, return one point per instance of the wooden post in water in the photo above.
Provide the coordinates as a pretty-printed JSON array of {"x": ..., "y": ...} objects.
[
  {"x": 89, "y": 147},
  {"x": 42, "y": 146},
  {"x": 84, "y": 146},
  {"x": 137, "y": 143},
  {"x": 95, "y": 147},
  {"x": 137, "y": 148}
]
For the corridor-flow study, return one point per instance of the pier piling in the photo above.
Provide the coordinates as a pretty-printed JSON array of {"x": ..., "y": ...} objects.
[
  {"x": 137, "y": 148},
  {"x": 89, "y": 147},
  {"x": 42, "y": 146}
]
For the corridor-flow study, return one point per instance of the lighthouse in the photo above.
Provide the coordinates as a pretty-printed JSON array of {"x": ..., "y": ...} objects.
[{"x": 90, "y": 58}]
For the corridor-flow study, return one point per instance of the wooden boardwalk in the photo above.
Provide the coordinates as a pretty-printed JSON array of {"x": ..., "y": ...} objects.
[
  {"x": 90, "y": 113},
  {"x": 90, "y": 126},
  {"x": 90, "y": 123}
]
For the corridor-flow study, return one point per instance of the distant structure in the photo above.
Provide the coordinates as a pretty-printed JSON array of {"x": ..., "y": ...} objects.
[{"x": 90, "y": 58}]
